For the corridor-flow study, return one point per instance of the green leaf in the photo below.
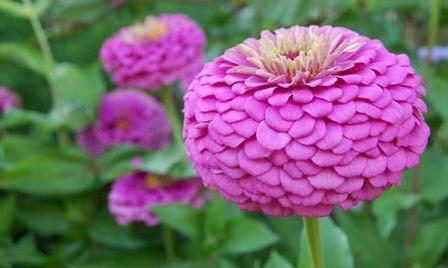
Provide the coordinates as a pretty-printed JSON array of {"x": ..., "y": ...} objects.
[
  {"x": 117, "y": 161},
  {"x": 289, "y": 246},
  {"x": 277, "y": 261},
  {"x": 17, "y": 117},
  {"x": 437, "y": 95},
  {"x": 182, "y": 169},
  {"x": 22, "y": 11},
  {"x": 16, "y": 147},
  {"x": 104, "y": 230},
  {"x": 77, "y": 93},
  {"x": 170, "y": 161},
  {"x": 50, "y": 173},
  {"x": 148, "y": 258},
  {"x": 369, "y": 248},
  {"x": 218, "y": 214},
  {"x": 387, "y": 206},
  {"x": 41, "y": 6},
  {"x": 45, "y": 218},
  {"x": 84, "y": 11},
  {"x": 182, "y": 218},
  {"x": 25, "y": 252},
  {"x": 247, "y": 235},
  {"x": 7, "y": 206},
  {"x": 430, "y": 244},
  {"x": 160, "y": 162},
  {"x": 14, "y": 9},
  {"x": 25, "y": 55},
  {"x": 433, "y": 168},
  {"x": 335, "y": 246}
]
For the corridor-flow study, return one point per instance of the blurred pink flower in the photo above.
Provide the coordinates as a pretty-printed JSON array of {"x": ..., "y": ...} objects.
[
  {"x": 8, "y": 100},
  {"x": 158, "y": 52},
  {"x": 89, "y": 141},
  {"x": 117, "y": 3},
  {"x": 305, "y": 119},
  {"x": 133, "y": 195},
  {"x": 132, "y": 117}
]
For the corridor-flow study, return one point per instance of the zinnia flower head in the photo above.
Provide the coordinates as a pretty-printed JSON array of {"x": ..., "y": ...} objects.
[
  {"x": 158, "y": 52},
  {"x": 132, "y": 117},
  {"x": 133, "y": 195},
  {"x": 305, "y": 119},
  {"x": 89, "y": 140},
  {"x": 8, "y": 100}
]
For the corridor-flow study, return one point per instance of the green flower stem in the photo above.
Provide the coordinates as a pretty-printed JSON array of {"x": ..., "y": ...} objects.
[
  {"x": 175, "y": 120},
  {"x": 168, "y": 241},
  {"x": 40, "y": 34},
  {"x": 433, "y": 29},
  {"x": 42, "y": 39},
  {"x": 312, "y": 233}
]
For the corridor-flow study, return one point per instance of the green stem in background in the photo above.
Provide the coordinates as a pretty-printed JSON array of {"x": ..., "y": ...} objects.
[
  {"x": 314, "y": 242},
  {"x": 175, "y": 120},
  {"x": 433, "y": 29},
  {"x": 42, "y": 39},
  {"x": 40, "y": 34},
  {"x": 412, "y": 220},
  {"x": 168, "y": 241}
]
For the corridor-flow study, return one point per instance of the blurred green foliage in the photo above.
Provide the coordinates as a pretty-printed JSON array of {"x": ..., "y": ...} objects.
[{"x": 53, "y": 207}]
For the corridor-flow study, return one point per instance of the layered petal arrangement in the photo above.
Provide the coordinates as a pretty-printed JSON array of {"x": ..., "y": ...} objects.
[
  {"x": 305, "y": 119},
  {"x": 158, "y": 52},
  {"x": 8, "y": 99},
  {"x": 132, "y": 196},
  {"x": 127, "y": 117}
]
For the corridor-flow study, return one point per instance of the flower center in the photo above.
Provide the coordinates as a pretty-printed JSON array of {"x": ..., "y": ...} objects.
[
  {"x": 151, "y": 29},
  {"x": 299, "y": 54},
  {"x": 123, "y": 124},
  {"x": 152, "y": 182}
]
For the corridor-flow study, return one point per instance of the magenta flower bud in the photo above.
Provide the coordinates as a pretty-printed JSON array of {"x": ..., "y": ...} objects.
[
  {"x": 305, "y": 119},
  {"x": 133, "y": 195},
  {"x": 8, "y": 100},
  {"x": 158, "y": 52},
  {"x": 132, "y": 117}
]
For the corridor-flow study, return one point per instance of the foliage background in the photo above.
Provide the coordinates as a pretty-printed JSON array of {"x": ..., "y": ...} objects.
[{"x": 53, "y": 206}]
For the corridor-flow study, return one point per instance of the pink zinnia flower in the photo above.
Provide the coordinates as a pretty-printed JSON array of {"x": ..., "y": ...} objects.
[
  {"x": 8, "y": 100},
  {"x": 132, "y": 196},
  {"x": 305, "y": 119},
  {"x": 158, "y": 52},
  {"x": 132, "y": 117},
  {"x": 89, "y": 140}
]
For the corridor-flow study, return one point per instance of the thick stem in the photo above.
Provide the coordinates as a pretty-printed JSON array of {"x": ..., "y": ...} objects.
[
  {"x": 313, "y": 236},
  {"x": 168, "y": 241},
  {"x": 175, "y": 120}
]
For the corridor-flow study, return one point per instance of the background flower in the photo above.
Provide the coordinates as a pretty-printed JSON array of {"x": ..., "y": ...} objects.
[
  {"x": 439, "y": 54},
  {"x": 132, "y": 117},
  {"x": 305, "y": 119},
  {"x": 133, "y": 195},
  {"x": 8, "y": 99},
  {"x": 155, "y": 53},
  {"x": 90, "y": 142}
]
